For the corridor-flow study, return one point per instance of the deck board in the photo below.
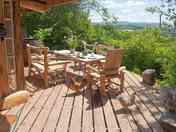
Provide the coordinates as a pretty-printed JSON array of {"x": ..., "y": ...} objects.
[
  {"x": 154, "y": 125},
  {"x": 54, "y": 116},
  {"x": 64, "y": 122},
  {"x": 87, "y": 122},
  {"x": 75, "y": 123},
  {"x": 59, "y": 109},
  {"x": 44, "y": 114},
  {"x": 112, "y": 124},
  {"x": 32, "y": 116}
]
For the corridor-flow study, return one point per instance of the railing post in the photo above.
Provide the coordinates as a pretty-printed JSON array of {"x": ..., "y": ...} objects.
[{"x": 19, "y": 47}]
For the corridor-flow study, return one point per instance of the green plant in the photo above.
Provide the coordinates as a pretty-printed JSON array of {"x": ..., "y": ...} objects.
[
  {"x": 72, "y": 41},
  {"x": 42, "y": 34}
]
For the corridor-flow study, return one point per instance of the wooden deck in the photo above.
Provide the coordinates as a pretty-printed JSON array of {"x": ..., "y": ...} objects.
[{"x": 58, "y": 109}]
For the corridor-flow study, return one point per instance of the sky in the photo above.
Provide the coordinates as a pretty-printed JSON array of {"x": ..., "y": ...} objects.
[{"x": 129, "y": 10}]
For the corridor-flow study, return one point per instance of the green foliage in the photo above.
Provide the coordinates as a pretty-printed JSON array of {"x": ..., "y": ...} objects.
[
  {"x": 72, "y": 41},
  {"x": 145, "y": 49},
  {"x": 42, "y": 34}
]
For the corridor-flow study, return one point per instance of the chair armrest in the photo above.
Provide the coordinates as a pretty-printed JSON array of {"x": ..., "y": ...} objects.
[
  {"x": 91, "y": 69},
  {"x": 122, "y": 69}
]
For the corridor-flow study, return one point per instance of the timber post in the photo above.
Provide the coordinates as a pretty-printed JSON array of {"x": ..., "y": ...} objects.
[
  {"x": 19, "y": 47},
  {"x": 3, "y": 60}
]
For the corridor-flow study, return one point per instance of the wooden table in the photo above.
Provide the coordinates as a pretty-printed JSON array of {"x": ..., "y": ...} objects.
[
  {"x": 88, "y": 59},
  {"x": 84, "y": 60}
]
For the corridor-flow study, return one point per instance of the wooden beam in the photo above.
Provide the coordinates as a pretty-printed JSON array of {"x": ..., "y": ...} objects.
[
  {"x": 60, "y": 2},
  {"x": 18, "y": 47},
  {"x": 4, "y": 87},
  {"x": 34, "y": 5}
]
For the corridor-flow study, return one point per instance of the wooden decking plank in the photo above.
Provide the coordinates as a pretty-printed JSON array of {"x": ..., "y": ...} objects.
[
  {"x": 153, "y": 97},
  {"x": 75, "y": 125},
  {"x": 146, "y": 101},
  {"x": 131, "y": 120},
  {"x": 32, "y": 116},
  {"x": 27, "y": 108},
  {"x": 136, "y": 113},
  {"x": 44, "y": 114},
  {"x": 150, "y": 92},
  {"x": 122, "y": 116},
  {"x": 54, "y": 116},
  {"x": 63, "y": 123},
  {"x": 154, "y": 125},
  {"x": 138, "y": 119},
  {"x": 110, "y": 118},
  {"x": 98, "y": 116},
  {"x": 87, "y": 122},
  {"x": 143, "y": 90}
]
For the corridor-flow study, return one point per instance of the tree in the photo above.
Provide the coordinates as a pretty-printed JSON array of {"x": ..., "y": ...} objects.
[
  {"x": 57, "y": 23},
  {"x": 157, "y": 10}
]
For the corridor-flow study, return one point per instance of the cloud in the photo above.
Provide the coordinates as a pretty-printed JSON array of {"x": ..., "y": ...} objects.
[{"x": 129, "y": 10}]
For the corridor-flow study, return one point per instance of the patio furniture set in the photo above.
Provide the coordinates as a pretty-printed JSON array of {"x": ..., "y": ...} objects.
[{"x": 96, "y": 68}]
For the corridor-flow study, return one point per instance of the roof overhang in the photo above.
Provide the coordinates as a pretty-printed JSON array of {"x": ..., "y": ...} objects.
[{"x": 43, "y": 5}]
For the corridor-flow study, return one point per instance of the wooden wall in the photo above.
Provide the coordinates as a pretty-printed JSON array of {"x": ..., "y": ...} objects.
[{"x": 3, "y": 59}]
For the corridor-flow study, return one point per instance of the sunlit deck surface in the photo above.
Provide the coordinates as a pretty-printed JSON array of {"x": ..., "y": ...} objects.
[{"x": 59, "y": 109}]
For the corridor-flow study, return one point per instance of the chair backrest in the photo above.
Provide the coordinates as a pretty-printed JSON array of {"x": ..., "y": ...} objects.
[
  {"x": 113, "y": 59},
  {"x": 89, "y": 47},
  {"x": 37, "y": 54},
  {"x": 102, "y": 49}
]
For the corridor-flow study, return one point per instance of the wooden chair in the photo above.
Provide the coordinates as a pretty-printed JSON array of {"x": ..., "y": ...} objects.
[
  {"x": 41, "y": 62},
  {"x": 102, "y": 48},
  {"x": 106, "y": 71}
]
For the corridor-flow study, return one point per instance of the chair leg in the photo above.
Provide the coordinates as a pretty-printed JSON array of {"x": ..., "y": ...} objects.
[
  {"x": 45, "y": 79},
  {"x": 29, "y": 74},
  {"x": 103, "y": 86},
  {"x": 122, "y": 78}
]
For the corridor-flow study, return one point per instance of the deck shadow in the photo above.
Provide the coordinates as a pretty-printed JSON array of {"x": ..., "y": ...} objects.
[{"x": 6, "y": 122}]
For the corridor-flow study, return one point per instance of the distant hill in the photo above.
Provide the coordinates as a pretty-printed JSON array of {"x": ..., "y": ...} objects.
[
  {"x": 135, "y": 25},
  {"x": 132, "y": 25}
]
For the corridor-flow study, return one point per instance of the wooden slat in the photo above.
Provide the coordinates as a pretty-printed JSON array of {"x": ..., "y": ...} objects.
[
  {"x": 47, "y": 108},
  {"x": 87, "y": 122},
  {"x": 154, "y": 125},
  {"x": 98, "y": 116},
  {"x": 30, "y": 119},
  {"x": 60, "y": 2},
  {"x": 38, "y": 6},
  {"x": 33, "y": 5},
  {"x": 27, "y": 109},
  {"x": 138, "y": 117},
  {"x": 146, "y": 101},
  {"x": 54, "y": 116},
  {"x": 75, "y": 125},
  {"x": 121, "y": 116},
  {"x": 136, "y": 79},
  {"x": 110, "y": 118},
  {"x": 63, "y": 123}
]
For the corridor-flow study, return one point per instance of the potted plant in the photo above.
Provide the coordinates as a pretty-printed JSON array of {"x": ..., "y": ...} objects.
[{"x": 72, "y": 43}]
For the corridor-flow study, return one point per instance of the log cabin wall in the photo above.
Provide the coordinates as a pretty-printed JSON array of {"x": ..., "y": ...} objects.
[
  {"x": 11, "y": 66},
  {"x": 3, "y": 57},
  {"x": 10, "y": 43}
]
